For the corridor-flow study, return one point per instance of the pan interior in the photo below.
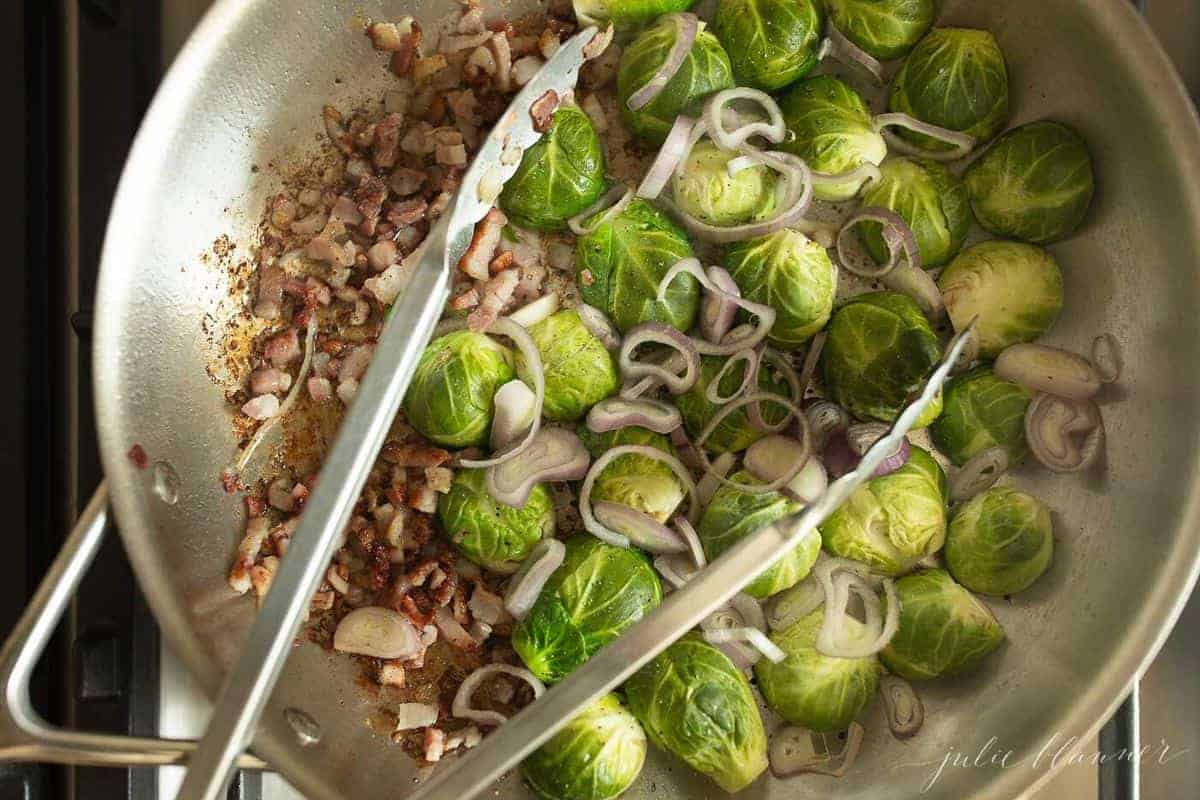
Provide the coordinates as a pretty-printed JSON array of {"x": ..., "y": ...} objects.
[{"x": 243, "y": 103}]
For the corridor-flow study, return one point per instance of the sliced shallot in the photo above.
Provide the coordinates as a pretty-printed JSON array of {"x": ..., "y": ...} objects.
[
  {"x": 641, "y": 529},
  {"x": 750, "y": 609},
  {"x": 749, "y": 360},
  {"x": 836, "y": 45},
  {"x": 532, "y": 313},
  {"x": 610, "y": 204},
  {"x": 795, "y": 751},
  {"x": 729, "y": 345},
  {"x": 686, "y": 27},
  {"x": 1041, "y": 368},
  {"x": 716, "y": 312},
  {"x": 614, "y": 413},
  {"x": 742, "y": 654},
  {"x": 897, "y": 236},
  {"x": 1064, "y": 435},
  {"x": 961, "y": 144},
  {"x": 513, "y": 403},
  {"x": 752, "y": 636},
  {"x": 555, "y": 454},
  {"x": 776, "y": 458},
  {"x": 660, "y": 333},
  {"x": 688, "y": 534},
  {"x": 461, "y": 707},
  {"x": 675, "y": 569},
  {"x": 809, "y": 483},
  {"x": 979, "y": 474},
  {"x": 599, "y": 530},
  {"x": 729, "y": 408},
  {"x": 599, "y": 325},
  {"x": 773, "y": 129},
  {"x": 861, "y": 436},
  {"x": 376, "y": 632},
  {"x": 825, "y": 419},
  {"x": 527, "y": 582},
  {"x": 672, "y": 153},
  {"x": 1106, "y": 357},
  {"x": 920, "y": 286},
  {"x": 902, "y": 706},
  {"x": 789, "y": 607},
  {"x": 779, "y": 362},
  {"x": 711, "y": 480},
  {"x": 839, "y": 578}
]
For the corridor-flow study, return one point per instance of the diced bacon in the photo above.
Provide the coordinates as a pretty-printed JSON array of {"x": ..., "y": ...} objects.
[
  {"x": 320, "y": 389},
  {"x": 248, "y": 550},
  {"x": 336, "y": 130},
  {"x": 521, "y": 46},
  {"x": 425, "y": 68},
  {"x": 387, "y": 141},
  {"x": 548, "y": 43},
  {"x": 324, "y": 248},
  {"x": 497, "y": 293},
  {"x": 261, "y": 576},
  {"x": 472, "y": 20},
  {"x": 357, "y": 170},
  {"x": 264, "y": 406},
  {"x": 542, "y": 110},
  {"x": 284, "y": 348},
  {"x": 269, "y": 380},
  {"x": 336, "y": 576},
  {"x": 529, "y": 287},
  {"x": 318, "y": 291},
  {"x": 424, "y": 499},
  {"x": 525, "y": 68},
  {"x": 355, "y": 364},
  {"x": 418, "y": 140},
  {"x": 283, "y": 211},
  {"x": 405, "y": 181},
  {"x": 362, "y": 312},
  {"x": 438, "y": 479},
  {"x": 279, "y": 494},
  {"x": 370, "y": 196},
  {"x": 389, "y": 36},
  {"x": 313, "y": 223},
  {"x": 382, "y": 255},
  {"x": 391, "y": 673},
  {"x": 347, "y": 389},
  {"x": 408, "y": 212},
  {"x": 414, "y": 455},
  {"x": 480, "y": 62},
  {"x": 465, "y": 299},
  {"x": 475, "y": 260},
  {"x": 503, "y": 56},
  {"x": 345, "y": 210},
  {"x": 501, "y": 262},
  {"x": 463, "y": 41},
  {"x": 464, "y": 106},
  {"x": 270, "y": 292},
  {"x": 451, "y": 154}
]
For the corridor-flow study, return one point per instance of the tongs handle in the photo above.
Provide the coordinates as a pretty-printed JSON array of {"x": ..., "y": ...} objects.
[{"x": 248, "y": 686}]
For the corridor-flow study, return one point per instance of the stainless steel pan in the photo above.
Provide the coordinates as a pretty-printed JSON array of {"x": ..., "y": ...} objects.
[{"x": 247, "y": 91}]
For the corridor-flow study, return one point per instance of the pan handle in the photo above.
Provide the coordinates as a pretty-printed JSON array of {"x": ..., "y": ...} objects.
[{"x": 24, "y": 734}]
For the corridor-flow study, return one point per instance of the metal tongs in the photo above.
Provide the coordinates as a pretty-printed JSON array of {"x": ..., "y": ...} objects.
[
  {"x": 248, "y": 686},
  {"x": 408, "y": 329}
]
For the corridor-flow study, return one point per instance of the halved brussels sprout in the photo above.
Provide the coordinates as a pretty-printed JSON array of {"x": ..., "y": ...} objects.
[
  {"x": 734, "y": 433},
  {"x": 981, "y": 411},
  {"x": 598, "y": 593},
  {"x": 703, "y": 188},
  {"x": 705, "y": 69},
  {"x": 1000, "y": 542},
  {"x": 626, "y": 14},
  {"x": 559, "y": 176},
  {"x": 596, "y": 756},
  {"x": 579, "y": 369},
  {"x": 770, "y": 42},
  {"x": 832, "y": 130},
  {"x": 491, "y": 534},
  {"x": 450, "y": 398},
  {"x": 622, "y": 261},
  {"x": 1035, "y": 183},
  {"x": 732, "y": 515},
  {"x": 886, "y": 29},
  {"x": 1014, "y": 288},
  {"x": 893, "y": 521},
  {"x": 879, "y": 351},
  {"x": 944, "y": 629},
  {"x": 955, "y": 78},
  {"x": 643, "y": 483},
  {"x": 815, "y": 691},
  {"x": 695, "y": 703},
  {"x": 930, "y": 199},
  {"x": 790, "y": 273}
]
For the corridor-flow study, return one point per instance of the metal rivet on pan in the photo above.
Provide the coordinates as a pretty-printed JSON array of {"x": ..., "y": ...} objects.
[
  {"x": 308, "y": 732},
  {"x": 166, "y": 483}
]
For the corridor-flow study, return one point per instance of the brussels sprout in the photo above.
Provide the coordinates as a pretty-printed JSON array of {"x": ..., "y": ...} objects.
[
  {"x": 734, "y": 433},
  {"x": 596, "y": 756},
  {"x": 790, "y": 273},
  {"x": 622, "y": 262},
  {"x": 930, "y": 199},
  {"x": 450, "y": 398},
  {"x": 705, "y": 69},
  {"x": 1000, "y": 542},
  {"x": 643, "y": 483},
  {"x": 491, "y": 534},
  {"x": 559, "y": 176},
  {"x": 732, "y": 515},
  {"x": 770, "y": 42},
  {"x": 981, "y": 411},
  {"x": 812, "y": 690},
  {"x": 886, "y": 29},
  {"x": 944, "y": 629},
  {"x": 579, "y": 369},
  {"x": 1015, "y": 289},
  {"x": 626, "y": 14},
  {"x": 695, "y": 703},
  {"x": 831, "y": 129},
  {"x": 892, "y": 521},
  {"x": 703, "y": 188},
  {"x": 879, "y": 351},
  {"x": 955, "y": 78},
  {"x": 598, "y": 593},
  {"x": 1035, "y": 183}
]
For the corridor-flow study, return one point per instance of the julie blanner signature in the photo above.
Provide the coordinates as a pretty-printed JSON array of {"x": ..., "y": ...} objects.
[{"x": 1058, "y": 750}]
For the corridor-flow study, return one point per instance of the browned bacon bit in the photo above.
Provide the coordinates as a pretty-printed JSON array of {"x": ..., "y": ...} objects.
[
  {"x": 420, "y": 573},
  {"x": 230, "y": 481},
  {"x": 345, "y": 210},
  {"x": 405, "y": 181},
  {"x": 501, "y": 262},
  {"x": 389, "y": 36},
  {"x": 407, "y": 212},
  {"x": 445, "y": 591},
  {"x": 138, "y": 456},
  {"x": 370, "y": 196},
  {"x": 320, "y": 389},
  {"x": 405, "y": 57},
  {"x": 270, "y": 292},
  {"x": 460, "y": 606},
  {"x": 382, "y": 255},
  {"x": 483, "y": 245},
  {"x": 435, "y": 744},
  {"x": 283, "y": 348},
  {"x": 248, "y": 550},
  {"x": 409, "y": 606},
  {"x": 542, "y": 110},
  {"x": 599, "y": 43},
  {"x": 465, "y": 299},
  {"x": 497, "y": 292},
  {"x": 387, "y": 141},
  {"x": 391, "y": 673},
  {"x": 336, "y": 129},
  {"x": 255, "y": 507}
]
